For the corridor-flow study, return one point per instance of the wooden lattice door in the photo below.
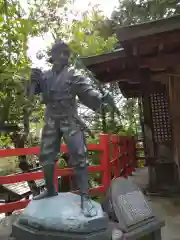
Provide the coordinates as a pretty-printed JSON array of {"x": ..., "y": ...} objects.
[
  {"x": 162, "y": 129},
  {"x": 161, "y": 123}
]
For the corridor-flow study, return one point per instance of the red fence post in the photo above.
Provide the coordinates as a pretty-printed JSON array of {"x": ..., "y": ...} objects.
[
  {"x": 116, "y": 155},
  {"x": 124, "y": 159},
  {"x": 129, "y": 156},
  {"x": 105, "y": 160},
  {"x": 133, "y": 153}
]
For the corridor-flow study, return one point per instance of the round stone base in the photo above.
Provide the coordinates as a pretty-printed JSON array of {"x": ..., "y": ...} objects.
[
  {"x": 62, "y": 213},
  {"x": 20, "y": 232}
]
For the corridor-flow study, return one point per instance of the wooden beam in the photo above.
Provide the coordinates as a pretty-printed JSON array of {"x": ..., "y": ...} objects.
[
  {"x": 129, "y": 67},
  {"x": 162, "y": 61},
  {"x": 156, "y": 39},
  {"x": 118, "y": 75}
]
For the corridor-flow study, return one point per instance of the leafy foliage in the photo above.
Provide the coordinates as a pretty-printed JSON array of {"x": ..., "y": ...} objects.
[
  {"x": 14, "y": 63},
  {"x": 85, "y": 37},
  {"x": 132, "y": 11}
]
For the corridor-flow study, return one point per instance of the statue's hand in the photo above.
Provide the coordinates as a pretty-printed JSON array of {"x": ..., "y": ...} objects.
[
  {"x": 109, "y": 103},
  {"x": 36, "y": 74}
]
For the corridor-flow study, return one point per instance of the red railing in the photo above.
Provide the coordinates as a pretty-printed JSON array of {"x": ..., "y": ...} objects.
[
  {"x": 117, "y": 158},
  {"x": 123, "y": 156}
]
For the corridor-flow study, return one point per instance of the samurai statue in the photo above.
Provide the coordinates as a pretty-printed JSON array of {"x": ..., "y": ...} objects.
[{"x": 59, "y": 87}]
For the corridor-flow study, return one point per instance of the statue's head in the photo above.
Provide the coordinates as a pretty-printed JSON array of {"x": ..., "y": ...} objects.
[{"x": 60, "y": 54}]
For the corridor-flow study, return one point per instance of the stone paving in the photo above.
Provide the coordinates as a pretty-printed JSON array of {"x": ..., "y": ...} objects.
[{"x": 166, "y": 208}]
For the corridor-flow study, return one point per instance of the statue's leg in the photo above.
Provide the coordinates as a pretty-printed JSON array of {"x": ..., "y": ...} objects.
[
  {"x": 50, "y": 146},
  {"x": 78, "y": 151}
]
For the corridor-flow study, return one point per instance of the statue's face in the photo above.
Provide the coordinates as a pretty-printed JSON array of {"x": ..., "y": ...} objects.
[{"x": 60, "y": 58}]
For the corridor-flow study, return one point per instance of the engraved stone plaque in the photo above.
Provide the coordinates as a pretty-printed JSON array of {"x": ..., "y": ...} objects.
[
  {"x": 134, "y": 207},
  {"x": 129, "y": 204},
  {"x": 129, "y": 209}
]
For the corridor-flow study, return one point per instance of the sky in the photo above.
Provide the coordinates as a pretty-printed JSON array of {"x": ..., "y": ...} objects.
[{"x": 39, "y": 43}]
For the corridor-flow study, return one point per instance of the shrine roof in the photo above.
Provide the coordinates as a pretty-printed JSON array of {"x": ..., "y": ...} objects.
[
  {"x": 154, "y": 45},
  {"x": 149, "y": 28},
  {"x": 93, "y": 60}
]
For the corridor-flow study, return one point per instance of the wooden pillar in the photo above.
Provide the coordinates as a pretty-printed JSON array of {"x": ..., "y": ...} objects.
[
  {"x": 146, "y": 90},
  {"x": 158, "y": 135},
  {"x": 174, "y": 99}
]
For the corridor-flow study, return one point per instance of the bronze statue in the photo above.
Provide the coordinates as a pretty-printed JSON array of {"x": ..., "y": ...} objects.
[{"x": 59, "y": 87}]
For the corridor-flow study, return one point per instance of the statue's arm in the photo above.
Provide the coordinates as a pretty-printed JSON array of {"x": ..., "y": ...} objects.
[
  {"x": 34, "y": 87},
  {"x": 92, "y": 98},
  {"x": 86, "y": 93}
]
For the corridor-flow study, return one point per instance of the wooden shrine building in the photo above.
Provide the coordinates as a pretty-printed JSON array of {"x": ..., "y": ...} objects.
[{"x": 148, "y": 67}]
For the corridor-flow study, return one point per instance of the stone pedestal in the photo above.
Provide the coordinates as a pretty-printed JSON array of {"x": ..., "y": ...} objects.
[
  {"x": 21, "y": 232},
  {"x": 60, "y": 217}
]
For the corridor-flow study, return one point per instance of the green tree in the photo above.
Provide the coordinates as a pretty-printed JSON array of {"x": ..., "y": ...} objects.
[
  {"x": 132, "y": 11},
  {"x": 17, "y": 25},
  {"x": 15, "y": 29},
  {"x": 85, "y": 39},
  {"x": 131, "y": 123},
  {"x": 49, "y": 14}
]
